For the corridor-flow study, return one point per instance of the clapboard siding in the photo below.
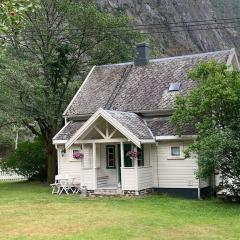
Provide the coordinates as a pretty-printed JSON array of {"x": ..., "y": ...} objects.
[
  {"x": 88, "y": 156},
  {"x": 68, "y": 165},
  {"x": 145, "y": 178},
  {"x": 129, "y": 179},
  {"x": 87, "y": 178},
  {"x": 169, "y": 173}
]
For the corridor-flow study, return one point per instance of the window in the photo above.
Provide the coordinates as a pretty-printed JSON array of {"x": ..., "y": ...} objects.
[
  {"x": 174, "y": 87},
  {"x": 140, "y": 154},
  {"x": 74, "y": 153},
  {"x": 175, "y": 151},
  {"x": 111, "y": 158}
]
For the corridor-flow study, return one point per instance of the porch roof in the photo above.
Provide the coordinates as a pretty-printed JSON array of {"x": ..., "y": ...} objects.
[
  {"x": 68, "y": 131},
  {"x": 142, "y": 129},
  {"x": 132, "y": 126}
]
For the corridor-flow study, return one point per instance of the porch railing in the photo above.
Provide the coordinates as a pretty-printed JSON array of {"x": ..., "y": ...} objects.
[{"x": 137, "y": 178}]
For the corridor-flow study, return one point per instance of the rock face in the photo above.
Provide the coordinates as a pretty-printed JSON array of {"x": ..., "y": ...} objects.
[{"x": 184, "y": 42}]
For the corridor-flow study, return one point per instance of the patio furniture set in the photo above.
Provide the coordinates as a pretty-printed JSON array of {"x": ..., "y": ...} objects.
[{"x": 66, "y": 185}]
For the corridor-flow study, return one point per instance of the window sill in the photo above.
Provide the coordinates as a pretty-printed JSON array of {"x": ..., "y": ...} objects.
[
  {"x": 75, "y": 160},
  {"x": 175, "y": 158}
]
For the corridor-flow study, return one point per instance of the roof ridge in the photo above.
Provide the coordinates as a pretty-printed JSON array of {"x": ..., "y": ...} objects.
[{"x": 166, "y": 58}]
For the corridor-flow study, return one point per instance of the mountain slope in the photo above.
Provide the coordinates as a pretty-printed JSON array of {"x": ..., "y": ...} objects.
[{"x": 179, "y": 43}]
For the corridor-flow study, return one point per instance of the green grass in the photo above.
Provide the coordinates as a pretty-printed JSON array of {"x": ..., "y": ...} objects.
[{"x": 29, "y": 211}]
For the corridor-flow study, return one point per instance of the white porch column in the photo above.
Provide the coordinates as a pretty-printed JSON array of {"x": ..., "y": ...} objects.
[
  {"x": 94, "y": 165},
  {"x": 136, "y": 170},
  {"x": 122, "y": 163}
]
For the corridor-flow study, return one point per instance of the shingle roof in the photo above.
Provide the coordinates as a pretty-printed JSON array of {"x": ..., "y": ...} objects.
[
  {"x": 133, "y": 123},
  {"x": 141, "y": 128},
  {"x": 125, "y": 87},
  {"x": 163, "y": 127},
  {"x": 68, "y": 131}
]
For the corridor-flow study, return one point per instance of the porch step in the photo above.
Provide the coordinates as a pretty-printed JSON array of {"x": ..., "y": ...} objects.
[{"x": 107, "y": 192}]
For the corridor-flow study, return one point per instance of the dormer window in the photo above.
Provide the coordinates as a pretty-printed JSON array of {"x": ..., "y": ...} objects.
[{"x": 174, "y": 87}]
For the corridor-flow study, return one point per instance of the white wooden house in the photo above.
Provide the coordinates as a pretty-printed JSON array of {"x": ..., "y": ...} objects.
[{"x": 124, "y": 109}]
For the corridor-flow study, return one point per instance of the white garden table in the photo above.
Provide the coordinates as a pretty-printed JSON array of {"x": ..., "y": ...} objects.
[{"x": 66, "y": 185}]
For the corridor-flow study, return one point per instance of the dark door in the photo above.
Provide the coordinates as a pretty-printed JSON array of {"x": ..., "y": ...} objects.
[{"x": 127, "y": 159}]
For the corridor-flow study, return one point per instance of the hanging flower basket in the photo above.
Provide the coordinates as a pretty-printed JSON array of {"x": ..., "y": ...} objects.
[
  {"x": 132, "y": 154},
  {"x": 78, "y": 155}
]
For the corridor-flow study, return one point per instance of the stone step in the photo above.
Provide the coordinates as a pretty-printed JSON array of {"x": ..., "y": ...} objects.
[{"x": 107, "y": 192}]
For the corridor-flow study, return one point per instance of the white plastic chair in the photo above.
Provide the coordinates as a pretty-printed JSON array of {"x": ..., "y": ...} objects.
[{"x": 56, "y": 185}]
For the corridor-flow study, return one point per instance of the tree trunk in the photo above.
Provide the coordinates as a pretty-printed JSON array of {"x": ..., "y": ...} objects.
[{"x": 51, "y": 163}]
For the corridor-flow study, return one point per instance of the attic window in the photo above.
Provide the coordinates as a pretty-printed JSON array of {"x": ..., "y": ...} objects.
[{"x": 174, "y": 87}]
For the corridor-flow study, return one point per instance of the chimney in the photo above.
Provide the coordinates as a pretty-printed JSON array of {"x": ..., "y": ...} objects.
[{"x": 142, "y": 57}]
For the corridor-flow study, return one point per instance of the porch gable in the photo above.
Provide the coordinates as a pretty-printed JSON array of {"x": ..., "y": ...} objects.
[{"x": 105, "y": 126}]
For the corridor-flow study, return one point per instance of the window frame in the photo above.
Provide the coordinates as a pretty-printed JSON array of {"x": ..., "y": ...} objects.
[
  {"x": 76, "y": 150},
  {"x": 176, "y": 157},
  {"x": 142, "y": 154},
  {"x": 107, "y": 156},
  {"x": 172, "y": 151}
]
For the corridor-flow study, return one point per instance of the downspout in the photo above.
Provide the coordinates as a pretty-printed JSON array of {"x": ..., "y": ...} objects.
[
  {"x": 157, "y": 165},
  {"x": 199, "y": 190}
]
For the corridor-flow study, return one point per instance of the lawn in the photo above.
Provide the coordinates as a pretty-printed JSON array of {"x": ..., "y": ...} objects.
[{"x": 29, "y": 211}]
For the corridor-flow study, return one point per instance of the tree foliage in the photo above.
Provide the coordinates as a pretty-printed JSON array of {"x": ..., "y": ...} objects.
[
  {"x": 28, "y": 160},
  {"x": 214, "y": 108},
  {"x": 46, "y": 62}
]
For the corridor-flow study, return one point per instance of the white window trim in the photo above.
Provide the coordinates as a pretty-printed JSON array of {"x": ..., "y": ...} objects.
[
  {"x": 181, "y": 157},
  {"x": 107, "y": 146},
  {"x": 80, "y": 149}
]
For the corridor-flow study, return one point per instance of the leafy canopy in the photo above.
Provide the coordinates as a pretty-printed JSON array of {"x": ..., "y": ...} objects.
[
  {"x": 46, "y": 62},
  {"x": 28, "y": 160},
  {"x": 213, "y": 107}
]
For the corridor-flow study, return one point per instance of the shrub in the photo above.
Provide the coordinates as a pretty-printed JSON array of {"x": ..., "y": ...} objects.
[{"x": 28, "y": 160}]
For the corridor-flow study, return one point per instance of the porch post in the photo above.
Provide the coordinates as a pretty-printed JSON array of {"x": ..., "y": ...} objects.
[
  {"x": 122, "y": 163},
  {"x": 136, "y": 170},
  {"x": 94, "y": 166}
]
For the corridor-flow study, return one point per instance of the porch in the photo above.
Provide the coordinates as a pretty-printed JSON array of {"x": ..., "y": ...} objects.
[
  {"x": 105, "y": 141},
  {"x": 106, "y": 168}
]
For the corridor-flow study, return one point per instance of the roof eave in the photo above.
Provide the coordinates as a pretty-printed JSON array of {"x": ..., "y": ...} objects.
[{"x": 176, "y": 137}]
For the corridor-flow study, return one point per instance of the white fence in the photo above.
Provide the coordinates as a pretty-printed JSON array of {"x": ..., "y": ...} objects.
[{"x": 10, "y": 176}]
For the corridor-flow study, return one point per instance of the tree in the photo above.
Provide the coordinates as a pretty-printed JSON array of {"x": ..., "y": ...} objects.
[
  {"x": 46, "y": 62},
  {"x": 28, "y": 160},
  {"x": 12, "y": 16},
  {"x": 214, "y": 108}
]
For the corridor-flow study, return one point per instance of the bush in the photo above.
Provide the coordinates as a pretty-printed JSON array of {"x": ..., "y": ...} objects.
[{"x": 29, "y": 160}]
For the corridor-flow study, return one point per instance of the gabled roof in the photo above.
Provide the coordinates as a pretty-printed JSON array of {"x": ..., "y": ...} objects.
[
  {"x": 159, "y": 127},
  {"x": 126, "y": 87},
  {"x": 131, "y": 121},
  {"x": 130, "y": 125},
  {"x": 68, "y": 131},
  {"x": 163, "y": 127}
]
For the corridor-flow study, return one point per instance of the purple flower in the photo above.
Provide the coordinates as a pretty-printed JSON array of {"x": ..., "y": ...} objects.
[
  {"x": 132, "y": 154},
  {"x": 78, "y": 155}
]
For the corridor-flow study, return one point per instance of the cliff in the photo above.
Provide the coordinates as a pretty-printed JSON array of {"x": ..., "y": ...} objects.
[{"x": 183, "y": 42}]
